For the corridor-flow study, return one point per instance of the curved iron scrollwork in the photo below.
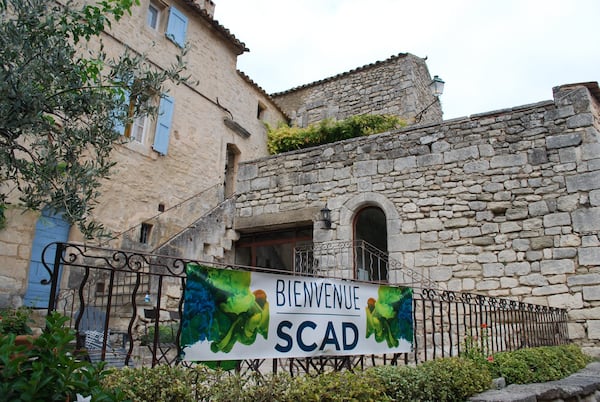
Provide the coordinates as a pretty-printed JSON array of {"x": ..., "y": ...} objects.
[
  {"x": 117, "y": 260},
  {"x": 448, "y": 296},
  {"x": 429, "y": 294},
  {"x": 45, "y": 264},
  {"x": 110, "y": 280}
]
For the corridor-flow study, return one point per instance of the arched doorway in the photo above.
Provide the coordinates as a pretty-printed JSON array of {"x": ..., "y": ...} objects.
[{"x": 371, "y": 250}]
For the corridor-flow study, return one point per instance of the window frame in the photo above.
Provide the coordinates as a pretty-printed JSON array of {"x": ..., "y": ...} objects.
[
  {"x": 141, "y": 121},
  {"x": 158, "y": 10}
]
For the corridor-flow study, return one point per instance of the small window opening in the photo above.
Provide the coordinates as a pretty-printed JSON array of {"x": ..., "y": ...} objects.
[
  {"x": 145, "y": 233},
  {"x": 100, "y": 287},
  {"x": 260, "y": 112},
  {"x": 153, "y": 16},
  {"x": 161, "y": 207}
]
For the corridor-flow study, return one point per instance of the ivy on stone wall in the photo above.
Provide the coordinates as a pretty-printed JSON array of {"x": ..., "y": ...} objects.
[{"x": 285, "y": 138}]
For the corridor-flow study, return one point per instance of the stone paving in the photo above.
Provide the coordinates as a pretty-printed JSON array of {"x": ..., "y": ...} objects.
[{"x": 583, "y": 386}]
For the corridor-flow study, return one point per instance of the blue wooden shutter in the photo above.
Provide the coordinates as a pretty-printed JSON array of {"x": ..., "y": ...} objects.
[
  {"x": 163, "y": 125},
  {"x": 177, "y": 26},
  {"x": 48, "y": 229}
]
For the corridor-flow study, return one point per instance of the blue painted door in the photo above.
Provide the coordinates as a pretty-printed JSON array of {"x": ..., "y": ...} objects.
[{"x": 48, "y": 229}]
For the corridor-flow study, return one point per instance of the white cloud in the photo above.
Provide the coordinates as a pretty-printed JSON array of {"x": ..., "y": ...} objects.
[{"x": 492, "y": 54}]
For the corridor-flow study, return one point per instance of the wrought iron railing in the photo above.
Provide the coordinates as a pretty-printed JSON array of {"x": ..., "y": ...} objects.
[
  {"x": 357, "y": 260},
  {"x": 179, "y": 217},
  {"x": 445, "y": 323}
]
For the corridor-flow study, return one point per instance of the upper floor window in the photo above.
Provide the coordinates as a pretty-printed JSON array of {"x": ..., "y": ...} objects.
[
  {"x": 138, "y": 129},
  {"x": 138, "y": 126},
  {"x": 153, "y": 17},
  {"x": 177, "y": 26}
]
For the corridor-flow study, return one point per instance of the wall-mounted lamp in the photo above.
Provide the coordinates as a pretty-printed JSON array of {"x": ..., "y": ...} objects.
[
  {"x": 437, "y": 88},
  {"x": 326, "y": 217}
]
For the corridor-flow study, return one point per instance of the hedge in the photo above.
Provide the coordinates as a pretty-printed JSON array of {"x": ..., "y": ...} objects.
[{"x": 448, "y": 379}]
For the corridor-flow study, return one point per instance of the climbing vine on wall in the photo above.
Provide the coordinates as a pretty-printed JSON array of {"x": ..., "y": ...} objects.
[{"x": 285, "y": 138}]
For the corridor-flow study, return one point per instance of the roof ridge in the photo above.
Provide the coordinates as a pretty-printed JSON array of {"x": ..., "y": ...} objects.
[
  {"x": 333, "y": 77},
  {"x": 239, "y": 45}
]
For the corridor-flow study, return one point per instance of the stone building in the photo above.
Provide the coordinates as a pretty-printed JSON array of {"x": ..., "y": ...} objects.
[
  {"x": 505, "y": 203},
  {"x": 159, "y": 187},
  {"x": 171, "y": 193},
  {"x": 397, "y": 86}
]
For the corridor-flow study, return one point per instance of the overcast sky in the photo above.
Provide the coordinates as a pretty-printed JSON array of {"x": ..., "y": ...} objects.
[{"x": 492, "y": 54}]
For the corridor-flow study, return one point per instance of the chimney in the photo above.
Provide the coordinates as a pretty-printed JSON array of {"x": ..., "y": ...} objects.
[{"x": 207, "y": 5}]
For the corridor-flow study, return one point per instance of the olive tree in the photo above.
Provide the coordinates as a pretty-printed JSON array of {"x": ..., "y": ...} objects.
[{"x": 62, "y": 103}]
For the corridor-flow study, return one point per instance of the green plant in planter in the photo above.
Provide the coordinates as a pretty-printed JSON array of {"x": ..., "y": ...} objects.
[
  {"x": 15, "y": 321},
  {"x": 167, "y": 333},
  {"x": 49, "y": 370}
]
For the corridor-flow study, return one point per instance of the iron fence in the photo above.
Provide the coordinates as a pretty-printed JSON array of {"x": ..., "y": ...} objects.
[
  {"x": 119, "y": 303},
  {"x": 358, "y": 260}
]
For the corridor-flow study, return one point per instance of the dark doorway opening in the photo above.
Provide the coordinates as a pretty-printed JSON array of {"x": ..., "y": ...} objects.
[
  {"x": 371, "y": 252},
  {"x": 273, "y": 249}
]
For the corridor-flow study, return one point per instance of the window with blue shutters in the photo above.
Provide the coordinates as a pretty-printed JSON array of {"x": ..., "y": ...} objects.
[
  {"x": 163, "y": 125},
  {"x": 177, "y": 26}
]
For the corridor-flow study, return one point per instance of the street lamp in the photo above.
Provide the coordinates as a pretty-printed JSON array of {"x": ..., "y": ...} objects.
[{"x": 437, "y": 88}]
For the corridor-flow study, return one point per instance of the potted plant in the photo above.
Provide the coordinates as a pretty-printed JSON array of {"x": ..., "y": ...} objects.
[
  {"x": 17, "y": 321},
  {"x": 167, "y": 334}
]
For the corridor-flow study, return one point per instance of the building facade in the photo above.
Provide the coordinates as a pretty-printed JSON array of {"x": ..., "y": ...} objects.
[
  {"x": 397, "y": 86},
  {"x": 504, "y": 203},
  {"x": 160, "y": 185}
]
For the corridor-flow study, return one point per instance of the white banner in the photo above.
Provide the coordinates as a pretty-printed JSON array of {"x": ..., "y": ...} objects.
[{"x": 232, "y": 315}]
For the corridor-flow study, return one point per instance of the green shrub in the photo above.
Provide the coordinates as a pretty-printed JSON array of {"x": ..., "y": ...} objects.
[
  {"x": 224, "y": 386},
  {"x": 15, "y": 321},
  {"x": 401, "y": 383},
  {"x": 48, "y": 370},
  {"x": 274, "y": 387},
  {"x": 160, "y": 383},
  {"x": 337, "y": 386},
  {"x": 285, "y": 138},
  {"x": 449, "y": 379},
  {"x": 540, "y": 364}
]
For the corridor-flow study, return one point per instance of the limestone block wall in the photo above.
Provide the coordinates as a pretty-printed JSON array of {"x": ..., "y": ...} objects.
[
  {"x": 15, "y": 251},
  {"x": 397, "y": 86},
  {"x": 505, "y": 203},
  {"x": 209, "y": 239}
]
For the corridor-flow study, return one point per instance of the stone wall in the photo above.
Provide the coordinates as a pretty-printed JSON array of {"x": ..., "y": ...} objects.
[
  {"x": 397, "y": 86},
  {"x": 505, "y": 203},
  {"x": 209, "y": 239},
  {"x": 15, "y": 252}
]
